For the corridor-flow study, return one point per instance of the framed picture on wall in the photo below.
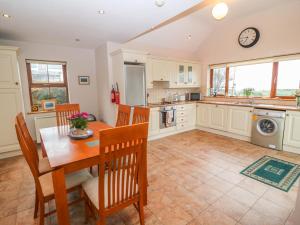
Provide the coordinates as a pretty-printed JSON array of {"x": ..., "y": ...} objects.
[
  {"x": 48, "y": 105},
  {"x": 84, "y": 80}
]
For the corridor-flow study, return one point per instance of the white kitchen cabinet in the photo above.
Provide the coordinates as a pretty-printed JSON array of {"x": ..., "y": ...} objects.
[
  {"x": 203, "y": 115},
  {"x": 149, "y": 78},
  {"x": 10, "y": 100},
  {"x": 218, "y": 117},
  {"x": 292, "y": 132},
  {"x": 161, "y": 70},
  {"x": 186, "y": 116},
  {"x": 154, "y": 121},
  {"x": 239, "y": 120},
  {"x": 188, "y": 75}
]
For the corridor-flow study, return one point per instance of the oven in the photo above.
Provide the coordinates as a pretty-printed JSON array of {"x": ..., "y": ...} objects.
[{"x": 167, "y": 117}]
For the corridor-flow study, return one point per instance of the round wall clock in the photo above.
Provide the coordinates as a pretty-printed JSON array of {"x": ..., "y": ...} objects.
[{"x": 249, "y": 37}]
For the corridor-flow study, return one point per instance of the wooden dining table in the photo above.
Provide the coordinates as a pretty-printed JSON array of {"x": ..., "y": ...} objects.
[{"x": 65, "y": 156}]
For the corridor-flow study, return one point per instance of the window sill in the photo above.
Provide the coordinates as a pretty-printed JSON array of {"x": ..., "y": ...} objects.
[
  {"x": 255, "y": 98},
  {"x": 41, "y": 112}
]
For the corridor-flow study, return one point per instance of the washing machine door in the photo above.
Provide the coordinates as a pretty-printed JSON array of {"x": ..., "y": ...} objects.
[{"x": 267, "y": 126}]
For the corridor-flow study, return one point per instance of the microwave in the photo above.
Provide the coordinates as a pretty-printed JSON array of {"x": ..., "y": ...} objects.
[{"x": 195, "y": 96}]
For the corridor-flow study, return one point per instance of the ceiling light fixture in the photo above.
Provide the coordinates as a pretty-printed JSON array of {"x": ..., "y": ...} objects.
[
  {"x": 5, "y": 15},
  {"x": 220, "y": 10},
  {"x": 101, "y": 12},
  {"x": 189, "y": 37},
  {"x": 77, "y": 39},
  {"x": 159, "y": 3}
]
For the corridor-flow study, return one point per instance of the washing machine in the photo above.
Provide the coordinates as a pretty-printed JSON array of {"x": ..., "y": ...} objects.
[{"x": 268, "y": 128}]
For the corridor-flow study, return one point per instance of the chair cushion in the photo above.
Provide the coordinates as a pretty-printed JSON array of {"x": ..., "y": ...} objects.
[
  {"x": 91, "y": 189},
  {"x": 44, "y": 165},
  {"x": 72, "y": 180}
]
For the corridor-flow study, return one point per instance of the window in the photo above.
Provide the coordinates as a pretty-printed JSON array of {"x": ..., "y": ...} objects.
[
  {"x": 277, "y": 77},
  {"x": 47, "y": 80},
  {"x": 250, "y": 80},
  {"x": 218, "y": 81},
  {"x": 288, "y": 78}
]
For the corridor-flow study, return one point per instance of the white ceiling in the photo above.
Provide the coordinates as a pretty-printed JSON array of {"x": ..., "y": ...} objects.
[
  {"x": 62, "y": 21},
  {"x": 200, "y": 25}
]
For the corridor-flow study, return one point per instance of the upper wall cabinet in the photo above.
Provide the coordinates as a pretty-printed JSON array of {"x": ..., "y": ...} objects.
[{"x": 179, "y": 74}]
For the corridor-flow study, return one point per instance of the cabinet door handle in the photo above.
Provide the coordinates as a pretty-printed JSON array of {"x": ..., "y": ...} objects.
[
  {"x": 287, "y": 114},
  {"x": 17, "y": 83}
]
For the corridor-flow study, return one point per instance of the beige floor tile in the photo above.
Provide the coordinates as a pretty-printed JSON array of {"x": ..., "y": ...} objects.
[
  {"x": 230, "y": 207},
  {"x": 254, "y": 186},
  {"x": 243, "y": 196}
]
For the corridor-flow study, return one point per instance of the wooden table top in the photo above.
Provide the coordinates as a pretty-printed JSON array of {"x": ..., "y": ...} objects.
[{"x": 61, "y": 150}]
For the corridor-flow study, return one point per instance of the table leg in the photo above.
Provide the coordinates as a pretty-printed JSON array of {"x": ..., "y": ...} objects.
[{"x": 60, "y": 192}]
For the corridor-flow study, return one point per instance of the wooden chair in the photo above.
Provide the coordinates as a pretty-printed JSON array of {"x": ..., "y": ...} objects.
[
  {"x": 43, "y": 183},
  {"x": 63, "y": 111},
  {"x": 122, "y": 185},
  {"x": 43, "y": 163},
  {"x": 140, "y": 115},
  {"x": 123, "y": 115}
]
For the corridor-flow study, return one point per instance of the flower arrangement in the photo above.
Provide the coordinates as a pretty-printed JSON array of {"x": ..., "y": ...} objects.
[{"x": 79, "y": 120}]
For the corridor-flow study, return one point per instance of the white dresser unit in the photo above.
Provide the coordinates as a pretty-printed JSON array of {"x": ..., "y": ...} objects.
[{"x": 10, "y": 100}]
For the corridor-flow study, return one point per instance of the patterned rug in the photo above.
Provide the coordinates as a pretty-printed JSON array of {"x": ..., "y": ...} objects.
[{"x": 275, "y": 172}]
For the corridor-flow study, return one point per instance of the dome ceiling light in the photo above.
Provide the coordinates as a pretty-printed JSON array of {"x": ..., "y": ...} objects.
[
  {"x": 160, "y": 3},
  {"x": 220, "y": 10}
]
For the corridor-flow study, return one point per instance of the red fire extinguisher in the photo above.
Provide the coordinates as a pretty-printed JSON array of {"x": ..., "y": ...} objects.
[
  {"x": 117, "y": 94},
  {"x": 113, "y": 95}
]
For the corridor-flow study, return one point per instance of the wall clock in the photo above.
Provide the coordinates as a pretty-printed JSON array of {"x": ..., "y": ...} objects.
[{"x": 249, "y": 37}]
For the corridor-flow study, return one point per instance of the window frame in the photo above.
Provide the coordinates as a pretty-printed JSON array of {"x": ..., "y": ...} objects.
[
  {"x": 275, "y": 67},
  {"x": 46, "y": 85}
]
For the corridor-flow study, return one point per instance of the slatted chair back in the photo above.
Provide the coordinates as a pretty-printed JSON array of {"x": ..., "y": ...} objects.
[
  {"x": 140, "y": 115},
  {"x": 27, "y": 153},
  {"x": 23, "y": 127},
  {"x": 123, "y": 115},
  {"x": 63, "y": 111},
  {"x": 121, "y": 150}
]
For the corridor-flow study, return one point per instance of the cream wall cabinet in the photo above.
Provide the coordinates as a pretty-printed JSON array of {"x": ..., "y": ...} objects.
[
  {"x": 240, "y": 120},
  {"x": 291, "y": 140}
]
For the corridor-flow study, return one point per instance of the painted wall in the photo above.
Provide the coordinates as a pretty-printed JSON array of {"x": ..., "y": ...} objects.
[
  {"x": 280, "y": 34},
  {"x": 107, "y": 110},
  {"x": 79, "y": 62}
]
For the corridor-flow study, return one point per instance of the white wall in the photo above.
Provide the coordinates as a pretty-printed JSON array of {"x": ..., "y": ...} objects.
[
  {"x": 280, "y": 34},
  {"x": 79, "y": 62},
  {"x": 107, "y": 110}
]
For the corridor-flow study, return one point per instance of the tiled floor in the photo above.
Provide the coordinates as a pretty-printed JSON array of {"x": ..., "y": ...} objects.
[{"x": 193, "y": 179}]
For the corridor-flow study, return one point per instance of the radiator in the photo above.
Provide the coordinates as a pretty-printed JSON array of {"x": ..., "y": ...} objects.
[{"x": 43, "y": 122}]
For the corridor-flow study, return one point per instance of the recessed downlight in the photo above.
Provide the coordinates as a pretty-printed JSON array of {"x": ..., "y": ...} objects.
[
  {"x": 101, "y": 12},
  {"x": 189, "y": 37},
  {"x": 160, "y": 3},
  {"x": 5, "y": 15},
  {"x": 77, "y": 39}
]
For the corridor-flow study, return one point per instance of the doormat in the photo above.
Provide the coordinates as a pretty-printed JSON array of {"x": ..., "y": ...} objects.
[{"x": 274, "y": 172}]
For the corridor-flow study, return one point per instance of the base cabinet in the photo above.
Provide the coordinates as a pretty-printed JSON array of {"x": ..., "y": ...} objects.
[
  {"x": 291, "y": 139},
  {"x": 233, "y": 119},
  {"x": 154, "y": 122},
  {"x": 239, "y": 120}
]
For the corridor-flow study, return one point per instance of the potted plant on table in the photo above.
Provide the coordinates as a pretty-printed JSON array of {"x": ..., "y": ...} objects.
[{"x": 78, "y": 123}]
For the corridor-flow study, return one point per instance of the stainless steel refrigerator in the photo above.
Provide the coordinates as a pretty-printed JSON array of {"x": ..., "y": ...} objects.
[{"x": 135, "y": 84}]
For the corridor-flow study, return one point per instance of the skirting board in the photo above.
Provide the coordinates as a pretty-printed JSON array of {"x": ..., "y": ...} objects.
[
  {"x": 10, "y": 154},
  {"x": 291, "y": 149},
  {"x": 224, "y": 133},
  {"x": 158, "y": 136}
]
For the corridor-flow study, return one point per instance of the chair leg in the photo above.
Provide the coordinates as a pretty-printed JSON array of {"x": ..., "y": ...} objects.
[
  {"x": 141, "y": 211},
  {"x": 36, "y": 205},
  {"x": 42, "y": 213}
]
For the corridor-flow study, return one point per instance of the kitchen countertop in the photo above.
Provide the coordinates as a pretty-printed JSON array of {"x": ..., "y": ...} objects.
[
  {"x": 242, "y": 104},
  {"x": 154, "y": 105},
  {"x": 254, "y": 105}
]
